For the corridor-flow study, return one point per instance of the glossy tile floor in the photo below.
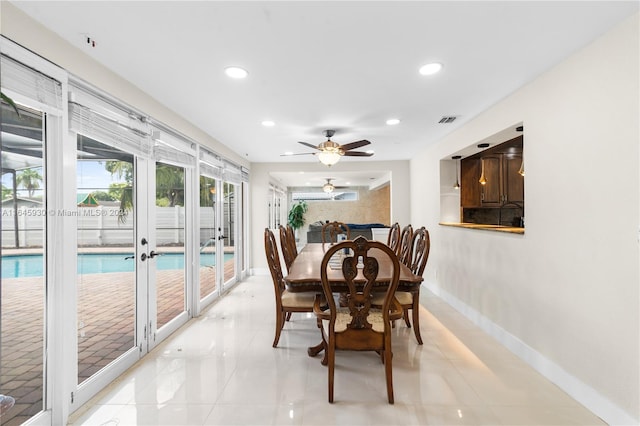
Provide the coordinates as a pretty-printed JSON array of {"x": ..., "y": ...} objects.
[{"x": 220, "y": 369}]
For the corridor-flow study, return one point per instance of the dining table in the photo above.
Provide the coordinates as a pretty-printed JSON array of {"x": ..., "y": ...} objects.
[{"x": 304, "y": 275}]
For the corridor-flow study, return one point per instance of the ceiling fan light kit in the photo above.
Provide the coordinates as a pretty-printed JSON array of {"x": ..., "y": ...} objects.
[
  {"x": 329, "y": 158},
  {"x": 331, "y": 152}
]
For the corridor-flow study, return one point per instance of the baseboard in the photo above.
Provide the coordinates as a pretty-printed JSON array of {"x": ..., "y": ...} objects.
[{"x": 584, "y": 394}]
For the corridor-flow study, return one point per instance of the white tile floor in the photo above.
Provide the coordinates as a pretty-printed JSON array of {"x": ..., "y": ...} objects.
[{"x": 220, "y": 369}]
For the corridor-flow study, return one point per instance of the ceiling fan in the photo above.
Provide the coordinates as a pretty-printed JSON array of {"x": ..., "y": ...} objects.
[
  {"x": 329, "y": 187},
  {"x": 330, "y": 151}
]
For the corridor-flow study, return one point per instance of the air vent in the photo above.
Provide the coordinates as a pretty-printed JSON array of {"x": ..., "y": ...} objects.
[{"x": 447, "y": 119}]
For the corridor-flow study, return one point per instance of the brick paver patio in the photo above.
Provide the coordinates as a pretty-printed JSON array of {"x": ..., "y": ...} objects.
[{"x": 106, "y": 314}]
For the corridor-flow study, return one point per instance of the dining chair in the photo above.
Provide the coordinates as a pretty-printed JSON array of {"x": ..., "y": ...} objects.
[
  {"x": 331, "y": 230},
  {"x": 421, "y": 245},
  {"x": 286, "y": 302},
  {"x": 394, "y": 237},
  {"x": 404, "y": 247},
  {"x": 292, "y": 239},
  {"x": 358, "y": 326},
  {"x": 287, "y": 247}
]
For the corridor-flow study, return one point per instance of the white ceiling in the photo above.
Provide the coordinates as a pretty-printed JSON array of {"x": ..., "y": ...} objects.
[{"x": 312, "y": 66}]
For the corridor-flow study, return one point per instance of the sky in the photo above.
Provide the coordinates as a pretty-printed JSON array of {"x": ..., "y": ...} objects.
[{"x": 92, "y": 176}]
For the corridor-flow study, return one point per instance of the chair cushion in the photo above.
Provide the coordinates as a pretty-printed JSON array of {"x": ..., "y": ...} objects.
[
  {"x": 343, "y": 318},
  {"x": 404, "y": 298},
  {"x": 298, "y": 300}
]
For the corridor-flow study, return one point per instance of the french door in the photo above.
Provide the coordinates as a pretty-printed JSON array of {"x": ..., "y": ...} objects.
[
  {"x": 218, "y": 233},
  {"x": 99, "y": 237}
]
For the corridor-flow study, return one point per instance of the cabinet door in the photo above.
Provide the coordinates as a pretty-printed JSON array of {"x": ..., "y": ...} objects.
[
  {"x": 513, "y": 181},
  {"x": 469, "y": 185},
  {"x": 492, "y": 190}
]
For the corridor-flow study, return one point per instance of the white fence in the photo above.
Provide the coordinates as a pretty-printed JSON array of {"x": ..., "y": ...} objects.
[{"x": 100, "y": 226}]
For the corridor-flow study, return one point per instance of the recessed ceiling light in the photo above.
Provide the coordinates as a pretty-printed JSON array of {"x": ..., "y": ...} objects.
[
  {"x": 268, "y": 123},
  {"x": 393, "y": 121},
  {"x": 431, "y": 68},
  {"x": 288, "y": 153},
  {"x": 236, "y": 72}
]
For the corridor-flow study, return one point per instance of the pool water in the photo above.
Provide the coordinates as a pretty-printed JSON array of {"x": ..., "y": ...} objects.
[{"x": 96, "y": 263}]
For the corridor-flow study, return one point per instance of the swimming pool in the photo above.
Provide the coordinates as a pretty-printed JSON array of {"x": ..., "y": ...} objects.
[{"x": 30, "y": 265}]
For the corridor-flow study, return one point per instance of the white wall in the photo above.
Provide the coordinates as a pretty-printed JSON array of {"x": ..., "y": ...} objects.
[
  {"x": 565, "y": 294},
  {"x": 259, "y": 181}
]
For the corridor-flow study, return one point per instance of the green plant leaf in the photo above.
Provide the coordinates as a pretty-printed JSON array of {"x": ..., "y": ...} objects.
[
  {"x": 10, "y": 102},
  {"x": 296, "y": 214}
]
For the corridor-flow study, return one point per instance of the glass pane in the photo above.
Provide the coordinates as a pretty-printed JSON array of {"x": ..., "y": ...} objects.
[
  {"x": 106, "y": 263},
  {"x": 170, "y": 234},
  {"x": 207, "y": 236},
  {"x": 23, "y": 283},
  {"x": 228, "y": 229}
]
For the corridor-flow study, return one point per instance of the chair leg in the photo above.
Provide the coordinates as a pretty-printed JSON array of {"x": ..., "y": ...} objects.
[
  {"x": 416, "y": 318},
  {"x": 331, "y": 354},
  {"x": 279, "y": 325},
  {"x": 325, "y": 346},
  {"x": 389, "y": 374},
  {"x": 405, "y": 315},
  {"x": 289, "y": 315}
]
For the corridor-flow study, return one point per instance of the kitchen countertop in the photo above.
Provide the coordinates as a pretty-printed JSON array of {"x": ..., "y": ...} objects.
[{"x": 483, "y": 227}]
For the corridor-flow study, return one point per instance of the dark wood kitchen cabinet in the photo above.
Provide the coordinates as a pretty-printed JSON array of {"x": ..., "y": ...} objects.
[
  {"x": 513, "y": 180},
  {"x": 503, "y": 182},
  {"x": 469, "y": 186},
  {"x": 491, "y": 193}
]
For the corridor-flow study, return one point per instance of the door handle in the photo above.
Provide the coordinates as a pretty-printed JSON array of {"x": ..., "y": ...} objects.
[
  {"x": 154, "y": 254},
  {"x": 221, "y": 237}
]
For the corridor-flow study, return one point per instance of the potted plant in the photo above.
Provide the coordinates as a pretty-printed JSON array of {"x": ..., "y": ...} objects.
[{"x": 296, "y": 215}]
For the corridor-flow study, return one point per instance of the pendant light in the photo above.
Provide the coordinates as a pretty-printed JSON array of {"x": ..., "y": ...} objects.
[
  {"x": 482, "y": 180},
  {"x": 456, "y": 158},
  {"x": 521, "y": 171}
]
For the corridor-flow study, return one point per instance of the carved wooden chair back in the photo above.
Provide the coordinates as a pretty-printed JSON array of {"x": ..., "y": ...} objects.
[
  {"x": 273, "y": 261},
  {"x": 287, "y": 247},
  {"x": 394, "y": 237},
  {"x": 404, "y": 248},
  {"x": 292, "y": 239},
  {"x": 420, "y": 251},
  {"x": 359, "y": 326},
  {"x": 331, "y": 230}
]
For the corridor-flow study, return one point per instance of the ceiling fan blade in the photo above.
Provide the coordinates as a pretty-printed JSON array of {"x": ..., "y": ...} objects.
[
  {"x": 309, "y": 145},
  {"x": 357, "y": 154},
  {"x": 354, "y": 145},
  {"x": 300, "y": 153}
]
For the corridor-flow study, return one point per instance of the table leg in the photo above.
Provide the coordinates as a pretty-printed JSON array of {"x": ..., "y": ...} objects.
[{"x": 315, "y": 350}]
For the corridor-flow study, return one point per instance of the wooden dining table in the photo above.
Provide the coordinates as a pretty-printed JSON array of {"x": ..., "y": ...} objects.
[{"x": 304, "y": 275}]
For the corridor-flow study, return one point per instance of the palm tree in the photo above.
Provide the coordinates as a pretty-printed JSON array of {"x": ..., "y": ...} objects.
[
  {"x": 170, "y": 184},
  {"x": 122, "y": 191},
  {"x": 30, "y": 179},
  {"x": 10, "y": 102}
]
